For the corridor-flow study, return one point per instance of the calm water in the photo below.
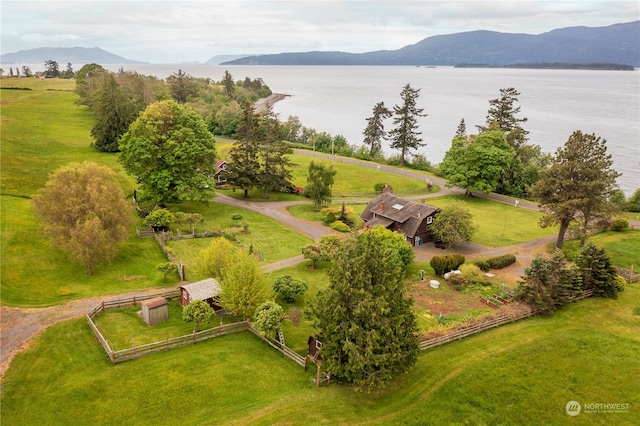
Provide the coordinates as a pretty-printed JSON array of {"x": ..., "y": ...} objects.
[{"x": 339, "y": 99}]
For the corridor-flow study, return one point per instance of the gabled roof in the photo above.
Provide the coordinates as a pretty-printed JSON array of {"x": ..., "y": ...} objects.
[
  {"x": 203, "y": 290},
  {"x": 155, "y": 302},
  {"x": 388, "y": 208}
]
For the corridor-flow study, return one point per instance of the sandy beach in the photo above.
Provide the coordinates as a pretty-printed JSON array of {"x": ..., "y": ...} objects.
[{"x": 261, "y": 104}]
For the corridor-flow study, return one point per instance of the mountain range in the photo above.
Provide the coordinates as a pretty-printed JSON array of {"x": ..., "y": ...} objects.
[
  {"x": 613, "y": 44},
  {"x": 617, "y": 44},
  {"x": 65, "y": 55}
]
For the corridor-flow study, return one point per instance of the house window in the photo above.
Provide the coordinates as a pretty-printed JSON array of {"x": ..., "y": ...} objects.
[{"x": 429, "y": 220}]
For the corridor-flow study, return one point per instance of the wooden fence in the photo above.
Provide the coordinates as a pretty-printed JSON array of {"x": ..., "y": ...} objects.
[
  {"x": 483, "y": 325},
  {"x": 176, "y": 342}
]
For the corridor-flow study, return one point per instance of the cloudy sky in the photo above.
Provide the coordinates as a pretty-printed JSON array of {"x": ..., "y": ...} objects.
[{"x": 184, "y": 31}]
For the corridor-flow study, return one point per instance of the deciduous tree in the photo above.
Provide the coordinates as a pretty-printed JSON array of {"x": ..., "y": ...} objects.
[
  {"x": 577, "y": 185},
  {"x": 84, "y": 213},
  {"x": 477, "y": 164},
  {"x": 166, "y": 268},
  {"x": 453, "y": 225},
  {"x": 268, "y": 318},
  {"x": 405, "y": 135},
  {"x": 214, "y": 260},
  {"x": 244, "y": 286},
  {"x": 374, "y": 133},
  {"x": 197, "y": 311},
  {"x": 169, "y": 150},
  {"x": 365, "y": 322},
  {"x": 289, "y": 287},
  {"x": 319, "y": 183}
]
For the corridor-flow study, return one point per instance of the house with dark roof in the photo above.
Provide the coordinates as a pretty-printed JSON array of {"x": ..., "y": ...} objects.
[
  {"x": 208, "y": 290},
  {"x": 407, "y": 217},
  {"x": 220, "y": 176}
]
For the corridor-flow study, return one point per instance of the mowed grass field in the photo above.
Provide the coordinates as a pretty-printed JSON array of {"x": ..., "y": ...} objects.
[{"x": 523, "y": 373}]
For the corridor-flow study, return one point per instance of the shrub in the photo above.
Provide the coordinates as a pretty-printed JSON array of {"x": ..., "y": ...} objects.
[
  {"x": 483, "y": 265},
  {"x": 442, "y": 264},
  {"x": 329, "y": 218},
  {"x": 289, "y": 287},
  {"x": 159, "y": 219},
  {"x": 378, "y": 187},
  {"x": 340, "y": 226},
  {"x": 500, "y": 262},
  {"x": 619, "y": 224}
]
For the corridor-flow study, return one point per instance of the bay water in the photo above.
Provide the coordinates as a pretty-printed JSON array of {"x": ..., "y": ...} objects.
[{"x": 339, "y": 99}]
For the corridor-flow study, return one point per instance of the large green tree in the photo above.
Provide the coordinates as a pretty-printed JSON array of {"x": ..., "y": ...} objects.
[
  {"x": 405, "y": 135},
  {"x": 477, "y": 164},
  {"x": 197, "y": 311},
  {"x": 214, "y": 260},
  {"x": 577, "y": 185},
  {"x": 114, "y": 112},
  {"x": 169, "y": 150},
  {"x": 597, "y": 271},
  {"x": 87, "y": 82},
  {"x": 365, "y": 321},
  {"x": 242, "y": 170},
  {"x": 453, "y": 225},
  {"x": 502, "y": 116},
  {"x": 319, "y": 183},
  {"x": 374, "y": 133},
  {"x": 84, "y": 212}
]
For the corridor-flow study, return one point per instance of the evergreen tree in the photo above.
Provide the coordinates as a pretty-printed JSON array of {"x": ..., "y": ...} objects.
[
  {"x": 548, "y": 283},
  {"x": 242, "y": 170},
  {"x": 502, "y": 116},
  {"x": 113, "y": 112},
  {"x": 597, "y": 271},
  {"x": 374, "y": 133},
  {"x": 229, "y": 85},
  {"x": 577, "y": 185},
  {"x": 275, "y": 167},
  {"x": 51, "y": 69},
  {"x": 182, "y": 86},
  {"x": 405, "y": 136},
  {"x": 366, "y": 323},
  {"x": 461, "y": 131}
]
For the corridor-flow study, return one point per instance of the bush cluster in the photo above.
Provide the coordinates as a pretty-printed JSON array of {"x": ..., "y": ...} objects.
[
  {"x": 442, "y": 264},
  {"x": 497, "y": 262},
  {"x": 619, "y": 224}
]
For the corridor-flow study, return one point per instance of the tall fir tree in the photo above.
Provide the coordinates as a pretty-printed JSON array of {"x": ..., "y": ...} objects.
[
  {"x": 598, "y": 272},
  {"x": 242, "y": 170},
  {"x": 405, "y": 135},
  {"x": 374, "y": 133},
  {"x": 366, "y": 323},
  {"x": 275, "y": 166},
  {"x": 113, "y": 112}
]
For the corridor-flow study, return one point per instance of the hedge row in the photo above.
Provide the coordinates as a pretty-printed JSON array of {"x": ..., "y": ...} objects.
[
  {"x": 442, "y": 264},
  {"x": 497, "y": 262}
]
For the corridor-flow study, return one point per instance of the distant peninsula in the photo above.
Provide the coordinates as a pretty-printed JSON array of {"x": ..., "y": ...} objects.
[{"x": 555, "y": 66}]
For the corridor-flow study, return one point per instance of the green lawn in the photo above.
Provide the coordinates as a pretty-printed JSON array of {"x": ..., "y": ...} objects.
[
  {"x": 523, "y": 373},
  {"x": 498, "y": 224},
  {"x": 623, "y": 247}
]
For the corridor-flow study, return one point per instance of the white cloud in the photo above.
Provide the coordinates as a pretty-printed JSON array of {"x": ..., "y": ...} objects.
[{"x": 175, "y": 31}]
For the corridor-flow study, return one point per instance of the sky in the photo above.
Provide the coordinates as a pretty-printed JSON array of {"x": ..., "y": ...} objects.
[{"x": 169, "y": 31}]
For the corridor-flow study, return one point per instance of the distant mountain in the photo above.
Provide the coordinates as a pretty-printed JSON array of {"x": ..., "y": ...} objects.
[
  {"x": 219, "y": 59},
  {"x": 615, "y": 44},
  {"x": 65, "y": 55}
]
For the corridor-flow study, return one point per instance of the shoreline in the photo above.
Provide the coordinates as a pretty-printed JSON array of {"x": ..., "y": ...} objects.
[{"x": 261, "y": 104}]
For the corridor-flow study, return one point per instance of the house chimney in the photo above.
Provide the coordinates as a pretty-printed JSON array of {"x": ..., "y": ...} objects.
[
  {"x": 387, "y": 189},
  {"x": 382, "y": 206}
]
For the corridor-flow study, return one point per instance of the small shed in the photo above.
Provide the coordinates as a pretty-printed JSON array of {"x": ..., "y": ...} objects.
[
  {"x": 155, "y": 310},
  {"x": 208, "y": 290},
  {"x": 313, "y": 349}
]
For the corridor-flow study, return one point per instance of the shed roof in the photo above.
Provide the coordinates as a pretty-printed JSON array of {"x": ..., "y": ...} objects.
[
  {"x": 203, "y": 290},
  {"x": 155, "y": 302}
]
